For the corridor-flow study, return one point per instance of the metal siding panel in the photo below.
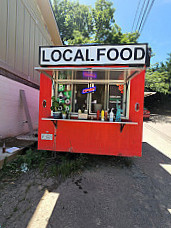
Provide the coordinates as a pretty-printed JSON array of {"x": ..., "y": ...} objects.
[
  {"x": 11, "y": 33},
  {"x": 40, "y": 43},
  {"x": 26, "y": 42},
  {"x": 19, "y": 37},
  {"x": 36, "y": 53},
  {"x": 40, "y": 38},
  {"x": 32, "y": 40},
  {"x": 3, "y": 28},
  {"x": 44, "y": 41}
]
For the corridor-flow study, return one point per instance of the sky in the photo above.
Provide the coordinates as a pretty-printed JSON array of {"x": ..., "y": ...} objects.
[{"x": 157, "y": 29}]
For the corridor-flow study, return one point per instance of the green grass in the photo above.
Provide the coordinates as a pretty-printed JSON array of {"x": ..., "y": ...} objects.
[
  {"x": 69, "y": 165},
  {"x": 63, "y": 165}
]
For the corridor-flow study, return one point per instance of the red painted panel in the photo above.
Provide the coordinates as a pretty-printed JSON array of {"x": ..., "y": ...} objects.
[
  {"x": 96, "y": 138},
  {"x": 93, "y": 137},
  {"x": 137, "y": 96},
  {"x": 44, "y": 127}
]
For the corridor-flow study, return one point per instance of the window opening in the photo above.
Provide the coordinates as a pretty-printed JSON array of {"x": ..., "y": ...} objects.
[
  {"x": 97, "y": 98},
  {"x": 80, "y": 101},
  {"x": 112, "y": 87}
]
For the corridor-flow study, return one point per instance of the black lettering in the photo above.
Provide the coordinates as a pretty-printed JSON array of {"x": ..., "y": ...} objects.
[
  {"x": 87, "y": 55},
  {"x": 99, "y": 53},
  {"x": 43, "y": 57},
  {"x": 136, "y": 53},
  {"x": 64, "y": 57},
  {"x": 115, "y": 52},
  {"x": 53, "y": 57},
  {"x": 79, "y": 55},
  {"x": 129, "y": 56}
]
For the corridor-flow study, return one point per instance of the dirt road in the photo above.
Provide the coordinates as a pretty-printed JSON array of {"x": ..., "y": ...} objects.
[{"x": 115, "y": 193}]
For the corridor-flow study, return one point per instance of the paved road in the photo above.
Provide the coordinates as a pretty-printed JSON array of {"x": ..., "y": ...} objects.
[{"x": 121, "y": 193}]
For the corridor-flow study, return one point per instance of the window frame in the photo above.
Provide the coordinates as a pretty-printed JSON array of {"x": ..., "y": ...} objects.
[{"x": 107, "y": 82}]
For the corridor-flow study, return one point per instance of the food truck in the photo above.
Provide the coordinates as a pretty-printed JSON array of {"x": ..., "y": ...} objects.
[{"x": 91, "y": 98}]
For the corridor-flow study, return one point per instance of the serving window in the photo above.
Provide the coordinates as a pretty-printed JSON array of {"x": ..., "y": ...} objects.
[{"x": 111, "y": 89}]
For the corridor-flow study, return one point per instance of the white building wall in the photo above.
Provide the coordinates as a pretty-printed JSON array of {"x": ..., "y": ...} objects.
[{"x": 12, "y": 113}]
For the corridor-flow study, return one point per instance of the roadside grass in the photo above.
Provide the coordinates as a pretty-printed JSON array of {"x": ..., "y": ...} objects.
[
  {"x": 30, "y": 159},
  {"x": 69, "y": 164},
  {"x": 62, "y": 165}
]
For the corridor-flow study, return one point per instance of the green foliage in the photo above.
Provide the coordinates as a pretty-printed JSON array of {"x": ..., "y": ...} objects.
[
  {"x": 72, "y": 16},
  {"x": 68, "y": 165},
  {"x": 157, "y": 81},
  {"x": 32, "y": 158},
  {"x": 158, "y": 77},
  {"x": 78, "y": 38},
  {"x": 103, "y": 16},
  {"x": 80, "y": 24},
  {"x": 55, "y": 104},
  {"x": 63, "y": 165}
]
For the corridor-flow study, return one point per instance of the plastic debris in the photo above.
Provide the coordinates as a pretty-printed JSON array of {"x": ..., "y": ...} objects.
[
  {"x": 24, "y": 168},
  {"x": 12, "y": 149}
]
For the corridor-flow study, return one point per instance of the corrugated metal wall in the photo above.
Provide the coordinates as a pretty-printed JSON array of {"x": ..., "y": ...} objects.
[{"x": 22, "y": 31}]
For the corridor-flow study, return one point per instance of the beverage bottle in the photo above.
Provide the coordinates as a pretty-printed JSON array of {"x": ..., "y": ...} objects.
[
  {"x": 111, "y": 115},
  {"x": 102, "y": 115}
]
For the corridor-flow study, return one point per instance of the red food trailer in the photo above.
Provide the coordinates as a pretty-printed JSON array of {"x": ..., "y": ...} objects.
[{"x": 82, "y": 81}]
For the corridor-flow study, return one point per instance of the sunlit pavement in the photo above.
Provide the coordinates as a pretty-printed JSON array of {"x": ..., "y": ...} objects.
[
  {"x": 158, "y": 135},
  {"x": 44, "y": 210},
  {"x": 111, "y": 195}
]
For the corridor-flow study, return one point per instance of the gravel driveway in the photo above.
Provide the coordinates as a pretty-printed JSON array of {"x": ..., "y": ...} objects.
[{"x": 113, "y": 192}]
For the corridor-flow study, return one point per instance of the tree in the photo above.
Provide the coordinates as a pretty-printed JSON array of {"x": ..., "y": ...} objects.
[
  {"x": 103, "y": 17},
  {"x": 72, "y": 16},
  {"x": 158, "y": 77},
  {"x": 157, "y": 81},
  {"x": 167, "y": 68},
  {"x": 80, "y": 24}
]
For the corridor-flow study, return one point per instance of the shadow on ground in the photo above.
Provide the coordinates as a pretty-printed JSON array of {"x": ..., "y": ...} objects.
[
  {"x": 111, "y": 192},
  {"x": 136, "y": 193}
]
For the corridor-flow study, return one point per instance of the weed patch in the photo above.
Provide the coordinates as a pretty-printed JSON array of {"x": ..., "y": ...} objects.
[
  {"x": 31, "y": 158},
  {"x": 63, "y": 165},
  {"x": 68, "y": 165}
]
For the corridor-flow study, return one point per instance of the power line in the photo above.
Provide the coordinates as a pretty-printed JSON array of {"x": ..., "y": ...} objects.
[
  {"x": 136, "y": 14},
  {"x": 143, "y": 15},
  {"x": 147, "y": 14},
  {"x": 140, "y": 14}
]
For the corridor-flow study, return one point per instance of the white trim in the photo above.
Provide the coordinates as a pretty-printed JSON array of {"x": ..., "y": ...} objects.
[
  {"x": 89, "y": 68},
  {"x": 128, "y": 100},
  {"x": 89, "y": 81},
  {"x": 92, "y": 121}
]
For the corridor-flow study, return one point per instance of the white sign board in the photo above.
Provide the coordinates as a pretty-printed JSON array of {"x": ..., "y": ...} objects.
[
  {"x": 135, "y": 54},
  {"x": 46, "y": 137}
]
